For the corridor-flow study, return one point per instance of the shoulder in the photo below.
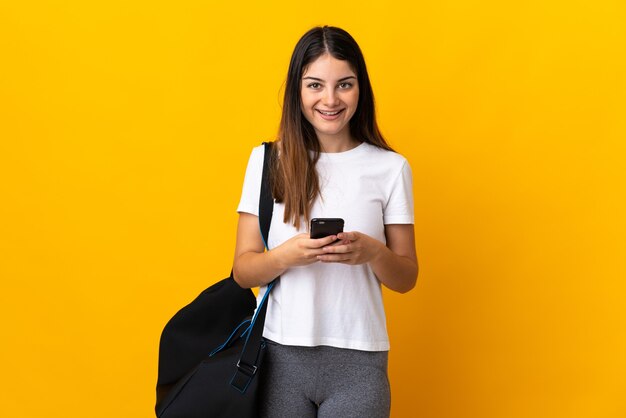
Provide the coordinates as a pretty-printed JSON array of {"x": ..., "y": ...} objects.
[
  {"x": 255, "y": 161},
  {"x": 257, "y": 153},
  {"x": 382, "y": 156},
  {"x": 252, "y": 182}
]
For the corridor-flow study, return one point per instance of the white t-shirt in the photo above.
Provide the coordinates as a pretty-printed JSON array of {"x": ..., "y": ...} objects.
[{"x": 336, "y": 304}]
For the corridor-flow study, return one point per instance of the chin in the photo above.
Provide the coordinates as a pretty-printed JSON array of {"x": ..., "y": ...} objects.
[{"x": 331, "y": 131}]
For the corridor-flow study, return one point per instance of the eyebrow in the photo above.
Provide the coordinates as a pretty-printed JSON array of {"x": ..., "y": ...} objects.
[{"x": 319, "y": 79}]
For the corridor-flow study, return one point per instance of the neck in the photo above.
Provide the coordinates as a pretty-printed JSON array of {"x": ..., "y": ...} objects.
[{"x": 332, "y": 144}]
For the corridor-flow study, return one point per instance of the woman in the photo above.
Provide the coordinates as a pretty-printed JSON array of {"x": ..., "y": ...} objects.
[{"x": 325, "y": 325}]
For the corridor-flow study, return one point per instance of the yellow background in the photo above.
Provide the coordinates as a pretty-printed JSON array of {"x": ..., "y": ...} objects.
[{"x": 125, "y": 128}]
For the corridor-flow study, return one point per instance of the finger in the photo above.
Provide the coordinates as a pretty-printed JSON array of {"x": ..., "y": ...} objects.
[
  {"x": 337, "y": 248},
  {"x": 351, "y": 236},
  {"x": 313, "y": 253},
  {"x": 333, "y": 258},
  {"x": 320, "y": 242}
]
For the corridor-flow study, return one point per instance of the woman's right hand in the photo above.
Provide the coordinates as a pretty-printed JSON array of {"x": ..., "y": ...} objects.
[
  {"x": 253, "y": 266},
  {"x": 299, "y": 250}
]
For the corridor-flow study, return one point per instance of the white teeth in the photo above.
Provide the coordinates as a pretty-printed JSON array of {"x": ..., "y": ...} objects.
[{"x": 328, "y": 113}]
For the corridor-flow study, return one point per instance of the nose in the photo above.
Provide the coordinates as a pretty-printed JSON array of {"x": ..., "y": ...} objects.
[{"x": 330, "y": 98}]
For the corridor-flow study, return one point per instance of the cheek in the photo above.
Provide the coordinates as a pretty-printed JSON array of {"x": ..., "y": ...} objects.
[
  {"x": 306, "y": 102},
  {"x": 351, "y": 99},
  {"x": 355, "y": 98},
  {"x": 307, "y": 112},
  {"x": 353, "y": 102}
]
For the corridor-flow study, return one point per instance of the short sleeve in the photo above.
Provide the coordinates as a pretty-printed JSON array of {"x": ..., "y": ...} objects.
[
  {"x": 251, "y": 190},
  {"x": 399, "y": 208}
]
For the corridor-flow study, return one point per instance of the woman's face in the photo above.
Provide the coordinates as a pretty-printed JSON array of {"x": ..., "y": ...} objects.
[{"x": 330, "y": 94}]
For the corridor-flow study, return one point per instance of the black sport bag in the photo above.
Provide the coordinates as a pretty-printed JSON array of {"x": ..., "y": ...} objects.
[{"x": 211, "y": 350}]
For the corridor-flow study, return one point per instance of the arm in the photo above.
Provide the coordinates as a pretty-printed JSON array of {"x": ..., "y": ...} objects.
[
  {"x": 253, "y": 266},
  {"x": 394, "y": 264}
]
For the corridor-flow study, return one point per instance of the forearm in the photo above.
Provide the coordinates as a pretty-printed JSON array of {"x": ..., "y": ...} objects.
[
  {"x": 253, "y": 269},
  {"x": 396, "y": 272}
]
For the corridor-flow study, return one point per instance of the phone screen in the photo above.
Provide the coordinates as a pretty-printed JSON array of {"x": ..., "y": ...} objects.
[{"x": 323, "y": 227}]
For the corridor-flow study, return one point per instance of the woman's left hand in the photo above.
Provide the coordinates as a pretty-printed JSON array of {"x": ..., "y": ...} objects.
[{"x": 354, "y": 248}]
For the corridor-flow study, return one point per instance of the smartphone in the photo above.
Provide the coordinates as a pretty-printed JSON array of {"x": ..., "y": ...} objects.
[{"x": 323, "y": 227}]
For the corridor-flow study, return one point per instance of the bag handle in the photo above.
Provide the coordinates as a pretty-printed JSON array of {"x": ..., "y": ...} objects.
[{"x": 249, "y": 360}]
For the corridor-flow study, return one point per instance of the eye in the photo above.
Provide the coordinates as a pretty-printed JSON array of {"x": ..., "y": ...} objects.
[
  {"x": 345, "y": 85},
  {"x": 314, "y": 86}
]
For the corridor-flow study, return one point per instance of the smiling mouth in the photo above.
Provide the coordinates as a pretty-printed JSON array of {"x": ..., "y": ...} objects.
[{"x": 335, "y": 113}]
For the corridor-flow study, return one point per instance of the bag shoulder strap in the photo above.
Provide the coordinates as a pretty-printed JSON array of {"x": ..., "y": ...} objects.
[
  {"x": 266, "y": 201},
  {"x": 249, "y": 360}
]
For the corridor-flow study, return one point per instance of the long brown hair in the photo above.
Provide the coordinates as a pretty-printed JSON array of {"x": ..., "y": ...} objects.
[{"x": 295, "y": 180}]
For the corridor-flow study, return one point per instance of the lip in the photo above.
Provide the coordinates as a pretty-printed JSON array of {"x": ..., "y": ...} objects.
[{"x": 330, "y": 117}]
